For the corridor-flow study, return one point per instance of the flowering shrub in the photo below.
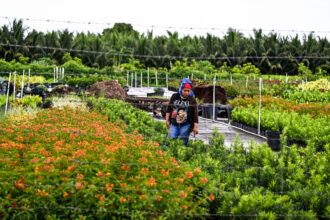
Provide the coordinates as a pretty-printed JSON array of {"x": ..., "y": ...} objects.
[
  {"x": 280, "y": 104},
  {"x": 71, "y": 163},
  {"x": 321, "y": 84}
]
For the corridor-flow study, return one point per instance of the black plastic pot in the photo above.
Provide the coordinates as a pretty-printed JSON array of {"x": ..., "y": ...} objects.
[
  {"x": 273, "y": 139},
  {"x": 207, "y": 111},
  {"x": 300, "y": 143}
]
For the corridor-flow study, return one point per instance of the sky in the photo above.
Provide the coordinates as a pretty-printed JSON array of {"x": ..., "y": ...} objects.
[{"x": 298, "y": 16}]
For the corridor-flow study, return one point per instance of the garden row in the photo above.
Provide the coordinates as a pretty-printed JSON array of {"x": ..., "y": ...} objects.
[{"x": 244, "y": 182}]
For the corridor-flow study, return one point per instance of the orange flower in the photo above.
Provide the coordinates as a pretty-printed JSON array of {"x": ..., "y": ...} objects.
[
  {"x": 142, "y": 196},
  {"x": 151, "y": 182},
  {"x": 124, "y": 167},
  {"x": 64, "y": 179},
  {"x": 122, "y": 185},
  {"x": 122, "y": 199},
  {"x": 166, "y": 191},
  {"x": 65, "y": 194},
  {"x": 99, "y": 173},
  {"x": 79, "y": 185},
  {"x": 143, "y": 160},
  {"x": 183, "y": 194},
  {"x": 184, "y": 207},
  {"x": 80, "y": 176},
  {"x": 211, "y": 197},
  {"x": 189, "y": 174},
  {"x": 203, "y": 180},
  {"x": 197, "y": 171},
  {"x": 181, "y": 180},
  {"x": 20, "y": 184},
  {"x": 144, "y": 170},
  {"x": 158, "y": 198},
  {"x": 71, "y": 168},
  {"x": 42, "y": 193}
]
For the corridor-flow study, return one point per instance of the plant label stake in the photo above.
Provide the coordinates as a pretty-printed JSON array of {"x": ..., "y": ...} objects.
[
  {"x": 166, "y": 81},
  {"x": 231, "y": 79},
  {"x": 247, "y": 81},
  {"x": 254, "y": 77},
  {"x": 22, "y": 84},
  {"x": 132, "y": 78},
  {"x": 7, "y": 98},
  {"x": 148, "y": 78},
  {"x": 62, "y": 73},
  {"x": 156, "y": 79},
  {"x": 259, "y": 112},
  {"x": 296, "y": 79},
  {"x": 127, "y": 78},
  {"x": 141, "y": 80},
  {"x": 54, "y": 74},
  {"x": 286, "y": 78},
  {"x": 214, "y": 79},
  {"x": 29, "y": 79},
  {"x": 14, "y": 86},
  {"x": 204, "y": 76}
]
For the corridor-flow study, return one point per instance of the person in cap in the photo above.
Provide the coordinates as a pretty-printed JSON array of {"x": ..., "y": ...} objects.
[{"x": 182, "y": 114}]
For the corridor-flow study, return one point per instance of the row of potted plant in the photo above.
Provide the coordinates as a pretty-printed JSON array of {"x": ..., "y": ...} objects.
[
  {"x": 281, "y": 104},
  {"x": 300, "y": 127}
]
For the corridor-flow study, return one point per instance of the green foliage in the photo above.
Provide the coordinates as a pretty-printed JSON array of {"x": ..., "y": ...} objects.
[
  {"x": 305, "y": 96},
  {"x": 67, "y": 57},
  {"x": 249, "y": 68},
  {"x": 24, "y": 60},
  {"x": 295, "y": 126},
  {"x": 304, "y": 70}
]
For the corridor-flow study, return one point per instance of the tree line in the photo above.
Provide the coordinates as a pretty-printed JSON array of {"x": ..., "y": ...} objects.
[{"x": 257, "y": 49}]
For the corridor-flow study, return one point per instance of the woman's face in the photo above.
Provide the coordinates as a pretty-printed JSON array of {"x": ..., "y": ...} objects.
[{"x": 185, "y": 92}]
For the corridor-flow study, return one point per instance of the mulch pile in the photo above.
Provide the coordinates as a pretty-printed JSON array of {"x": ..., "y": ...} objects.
[{"x": 110, "y": 89}]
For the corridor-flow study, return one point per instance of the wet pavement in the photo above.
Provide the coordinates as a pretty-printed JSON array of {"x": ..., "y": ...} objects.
[{"x": 206, "y": 128}]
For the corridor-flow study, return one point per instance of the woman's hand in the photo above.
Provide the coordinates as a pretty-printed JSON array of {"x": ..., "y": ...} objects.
[
  {"x": 195, "y": 130},
  {"x": 167, "y": 124}
]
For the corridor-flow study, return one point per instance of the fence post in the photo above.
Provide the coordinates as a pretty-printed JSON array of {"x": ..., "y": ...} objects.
[
  {"x": 7, "y": 98},
  {"x": 259, "y": 112},
  {"x": 214, "y": 97},
  {"x": 22, "y": 84}
]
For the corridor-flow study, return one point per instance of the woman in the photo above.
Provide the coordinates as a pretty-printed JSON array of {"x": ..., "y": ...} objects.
[{"x": 182, "y": 115}]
